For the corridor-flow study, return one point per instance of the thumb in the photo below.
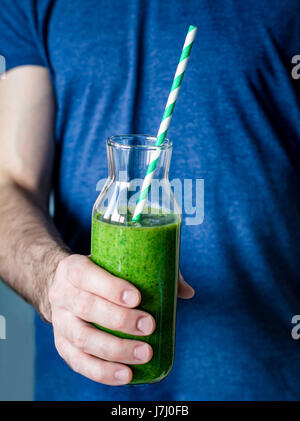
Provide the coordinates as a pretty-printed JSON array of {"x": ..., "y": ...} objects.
[{"x": 184, "y": 289}]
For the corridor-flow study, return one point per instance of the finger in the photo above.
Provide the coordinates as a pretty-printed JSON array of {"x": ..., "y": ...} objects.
[
  {"x": 184, "y": 289},
  {"x": 86, "y": 275},
  {"x": 94, "y": 309},
  {"x": 113, "y": 374},
  {"x": 100, "y": 344}
]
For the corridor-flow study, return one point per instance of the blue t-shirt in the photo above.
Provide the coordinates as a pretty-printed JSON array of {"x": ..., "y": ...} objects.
[{"x": 235, "y": 125}]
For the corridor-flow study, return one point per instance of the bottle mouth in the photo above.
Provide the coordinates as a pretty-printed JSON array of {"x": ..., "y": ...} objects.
[{"x": 137, "y": 141}]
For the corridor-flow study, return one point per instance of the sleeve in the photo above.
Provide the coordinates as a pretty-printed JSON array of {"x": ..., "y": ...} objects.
[{"x": 18, "y": 40}]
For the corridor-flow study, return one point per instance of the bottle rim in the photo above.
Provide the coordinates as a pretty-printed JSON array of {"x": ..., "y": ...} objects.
[{"x": 116, "y": 142}]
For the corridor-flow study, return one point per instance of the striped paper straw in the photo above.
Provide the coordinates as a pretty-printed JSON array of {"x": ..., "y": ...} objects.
[{"x": 165, "y": 123}]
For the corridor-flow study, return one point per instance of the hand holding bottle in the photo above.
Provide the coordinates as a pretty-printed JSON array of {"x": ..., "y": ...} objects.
[{"x": 82, "y": 293}]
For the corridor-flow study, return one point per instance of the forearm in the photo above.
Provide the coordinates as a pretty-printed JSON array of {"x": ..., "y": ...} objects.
[{"x": 30, "y": 246}]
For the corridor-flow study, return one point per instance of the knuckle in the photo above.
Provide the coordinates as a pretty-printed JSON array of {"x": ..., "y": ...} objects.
[
  {"x": 99, "y": 372},
  {"x": 59, "y": 345},
  {"x": 84, "y": 304},
  {"x": 121, "y": 319},
  {"x": 80, "y": 338},
  {"x": 75, "y": 362},
  {"x": 59, "y": 283},
  {"x": 71, "y": 267},
  {"x": 55, "y": 320},
  {"x": 115, "y": 349},
  {"x": 75, "y": 270},
  {"x": 63, "y": 266}
]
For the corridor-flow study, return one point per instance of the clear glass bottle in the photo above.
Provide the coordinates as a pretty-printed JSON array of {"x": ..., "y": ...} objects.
[{"x": 146, "y": 253}]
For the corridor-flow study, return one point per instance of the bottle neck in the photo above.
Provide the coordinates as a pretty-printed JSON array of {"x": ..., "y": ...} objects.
[
  {"x": 128, "y": 164},
  {"x": 129, "y": 157}
]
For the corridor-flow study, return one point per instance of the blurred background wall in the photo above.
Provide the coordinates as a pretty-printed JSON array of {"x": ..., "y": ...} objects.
[{"x": 17, "y": 350}]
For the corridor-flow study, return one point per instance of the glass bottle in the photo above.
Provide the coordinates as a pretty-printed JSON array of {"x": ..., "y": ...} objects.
[{"x": 145, "y": 253}]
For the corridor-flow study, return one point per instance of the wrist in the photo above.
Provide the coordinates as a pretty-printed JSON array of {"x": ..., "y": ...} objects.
[{"x": 53, "y": 259}]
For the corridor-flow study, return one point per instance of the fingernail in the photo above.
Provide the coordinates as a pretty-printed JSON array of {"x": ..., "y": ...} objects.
[
  {"x": 122, "y": 375},
  {"x": 141, "y": 352},
  {"x": 130, "y": 297},
  {"x": 145, "y": 324}
]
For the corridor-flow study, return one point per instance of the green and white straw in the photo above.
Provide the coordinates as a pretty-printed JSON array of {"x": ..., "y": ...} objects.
[{"x": 165, "y": 123}]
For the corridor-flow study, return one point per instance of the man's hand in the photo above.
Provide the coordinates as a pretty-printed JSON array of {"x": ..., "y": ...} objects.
[{"x": 81, "y": 293}]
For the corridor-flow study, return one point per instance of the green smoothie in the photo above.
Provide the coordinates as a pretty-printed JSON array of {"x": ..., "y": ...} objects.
[{"x": 146, "y": 254}]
